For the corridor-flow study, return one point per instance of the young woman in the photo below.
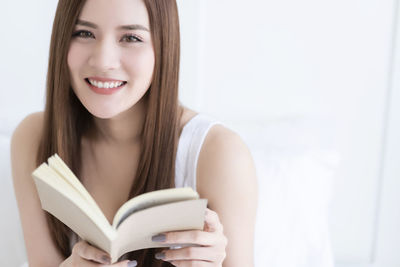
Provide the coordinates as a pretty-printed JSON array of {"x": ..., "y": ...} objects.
[{"x": 112, "y": 114}]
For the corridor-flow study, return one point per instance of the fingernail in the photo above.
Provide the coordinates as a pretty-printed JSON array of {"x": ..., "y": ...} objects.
[
  {"x": 158, "y": 238},
  {"x": 106, "y": 259},
  {"x": 132, "y": 263},
  {"x": 160, "y": 255}
]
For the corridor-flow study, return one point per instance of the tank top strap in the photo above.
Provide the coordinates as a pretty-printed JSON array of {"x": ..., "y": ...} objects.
[{"x": 190, "y": 142}]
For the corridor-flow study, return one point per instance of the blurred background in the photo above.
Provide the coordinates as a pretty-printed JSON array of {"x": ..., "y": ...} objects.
[{"x": 312, "y": 86}]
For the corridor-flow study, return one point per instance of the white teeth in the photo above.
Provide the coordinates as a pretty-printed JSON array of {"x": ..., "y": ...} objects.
[{"x": 106, "y": 85}]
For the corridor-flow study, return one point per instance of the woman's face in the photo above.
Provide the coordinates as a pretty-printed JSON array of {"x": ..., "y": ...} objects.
[{"x": 111, "y": 44}]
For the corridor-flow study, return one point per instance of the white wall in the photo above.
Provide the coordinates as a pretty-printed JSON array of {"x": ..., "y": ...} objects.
[
  {"x": 25, "y": 37},
  {"x": 262, "y": 61}
]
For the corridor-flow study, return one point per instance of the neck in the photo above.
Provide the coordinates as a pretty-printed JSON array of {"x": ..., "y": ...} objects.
[{"x": 123, "y": 129}]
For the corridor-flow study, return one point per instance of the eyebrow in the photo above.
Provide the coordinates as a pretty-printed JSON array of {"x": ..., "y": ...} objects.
[{"x": 122, "y": 27}]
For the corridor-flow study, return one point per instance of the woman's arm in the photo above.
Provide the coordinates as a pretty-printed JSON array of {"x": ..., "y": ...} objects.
[
  {"x": 226, "y": 176},
  {"x": 24, "y": 144}
]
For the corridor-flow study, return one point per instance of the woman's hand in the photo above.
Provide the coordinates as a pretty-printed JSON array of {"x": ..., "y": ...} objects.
[
  {"x": 212, "y": 241},
  {"x": 84, "y": 254}
]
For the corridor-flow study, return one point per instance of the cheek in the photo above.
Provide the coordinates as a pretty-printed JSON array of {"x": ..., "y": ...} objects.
[
  {"x": 75, "y": 58},
  {"x": 140, "y": 63}
]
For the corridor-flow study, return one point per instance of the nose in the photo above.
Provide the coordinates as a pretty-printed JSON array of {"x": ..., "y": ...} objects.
[{"x": 105, "y": 56}]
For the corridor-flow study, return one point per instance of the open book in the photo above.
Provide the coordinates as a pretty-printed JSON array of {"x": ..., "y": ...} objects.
[{"x": 63, "y": 195}]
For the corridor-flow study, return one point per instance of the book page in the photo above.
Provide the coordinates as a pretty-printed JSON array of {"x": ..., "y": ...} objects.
[
  {"x": 60, "y": 199},
  {"x": 57, "y": 164},
  {"x": 152, "y": 199}
]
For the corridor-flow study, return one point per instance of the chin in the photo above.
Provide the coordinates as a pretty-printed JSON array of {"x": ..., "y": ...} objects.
[
  {"x": 102, "y": 113},
  {"x": 103, "y": 116}
]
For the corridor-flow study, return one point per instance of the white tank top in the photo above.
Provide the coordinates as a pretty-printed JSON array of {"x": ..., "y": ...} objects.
[{"x": 189, "y": 145}]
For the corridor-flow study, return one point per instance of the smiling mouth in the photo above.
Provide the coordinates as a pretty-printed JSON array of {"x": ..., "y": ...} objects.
[{"x": 105, "y": 85}]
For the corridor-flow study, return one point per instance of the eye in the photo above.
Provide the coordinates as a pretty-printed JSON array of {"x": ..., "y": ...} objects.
[
  {"x": 82, "y": 34},
  {"x": 131, "y": 38}
]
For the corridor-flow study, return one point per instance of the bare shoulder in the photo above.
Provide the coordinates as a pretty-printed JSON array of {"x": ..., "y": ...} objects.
[
  {"x": 28, "y": 130},
  {"x": 225, "y": 155},
  {"x": 225, "y": 140},
  {"x": 24, "y": 145},
  {"x": 25, "y": 141},
  {"x": 226, "y": 176}
]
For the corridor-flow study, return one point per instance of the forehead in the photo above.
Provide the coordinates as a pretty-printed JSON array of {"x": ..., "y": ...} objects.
[{"x": 112, "y": 13}]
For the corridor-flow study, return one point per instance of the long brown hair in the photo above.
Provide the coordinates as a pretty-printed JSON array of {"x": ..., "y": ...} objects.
[{"x": 66, "y": 119}]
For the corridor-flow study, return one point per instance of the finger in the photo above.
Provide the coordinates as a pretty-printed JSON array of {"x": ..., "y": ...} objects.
[
  {"x": 190, "y": 253},
  {"x": 125, "y": 263},
  {"x": 88, "y": 263},
  {"x": 212, "y": 222},
  {"x": 191, "y": 237},
  {"x": 88, "y": 252},
  {"x": 184, "y": 263}
]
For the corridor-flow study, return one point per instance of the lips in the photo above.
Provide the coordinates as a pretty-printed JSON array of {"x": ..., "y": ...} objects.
[
  {"x": 105, "y": 88},
  {"x": 105, "y": 84},
  {"x": 103, "y": 79}
]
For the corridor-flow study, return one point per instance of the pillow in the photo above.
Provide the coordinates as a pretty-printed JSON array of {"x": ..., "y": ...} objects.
[
  {"x": 12, "y": 247},
  {"x": 295, "y": 190},
  {"x": 295, "y": 171}
]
